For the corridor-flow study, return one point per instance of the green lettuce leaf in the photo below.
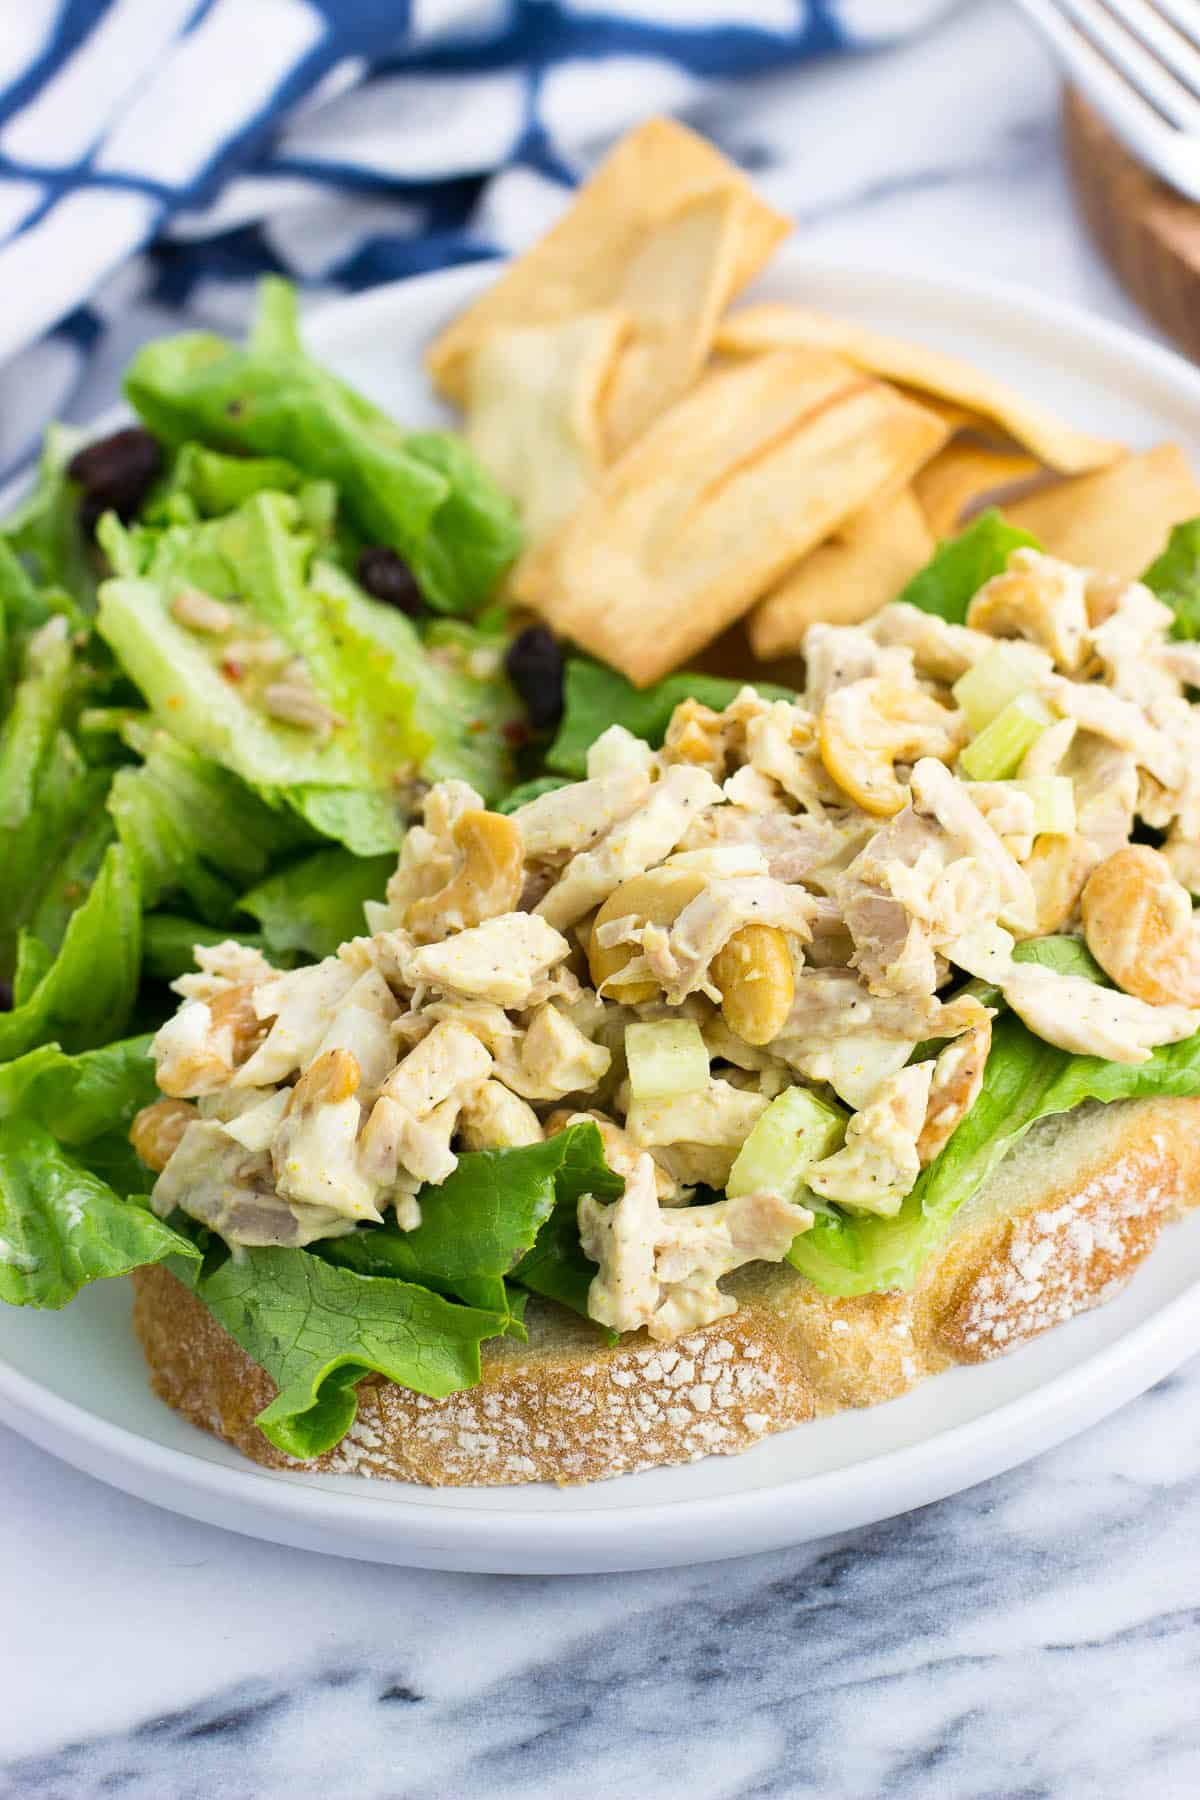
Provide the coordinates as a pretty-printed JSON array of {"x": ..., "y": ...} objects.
[
  {"x": 484, "y": 1219},
  {"x": 86, "y": 996},
  {"x": 315, "y": 905},
  {"x": 36, "y": 856},
  {"x": 191, "y": 827},
  {"x": 215, "y": 483},
  {"x": 1025, "y": 1080},
  {"x": 596, "y": 697},
  {"x": 556, "y": 1266},
  {"x": 71, "y": 877},
  {"x": 61, "y": 1226},
  {"x": 44, "y": 529},
  {"x": 317, "y": 1329},
  {"x": 1175, "y": 578},
  {"x": 422, "y": 494},
  {"x": 79, "y": 1098},
  {"x": 403, "y": 711},
  {"x": 463, "y": 707},
  {"x": 960, "y": 566},
  {"x": 22, "y": 609},
  {"x": 169, "y": 943},
  {"x": 34, "y": 719}
]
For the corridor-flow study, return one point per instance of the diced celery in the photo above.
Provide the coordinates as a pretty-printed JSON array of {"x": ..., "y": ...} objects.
[
  {"x": 665, "y": 1057},
  {"x": 796, "y": 1130},
  {"x": 1053, "y": 799},
  {"x": 998, "y": 677},
  {"x": 997, "y": 751}
]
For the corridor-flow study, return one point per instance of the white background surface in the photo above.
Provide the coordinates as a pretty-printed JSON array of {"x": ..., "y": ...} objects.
[{"x": 1037, "y": 1636}]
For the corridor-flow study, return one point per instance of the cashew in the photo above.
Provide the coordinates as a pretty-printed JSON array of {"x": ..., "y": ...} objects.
[
  {"x": 655, "y": 898},
  {"x": 333, "y": 1077},
  {"x": 487, "y": 883},
  {"x": 157, "y": 1131},
  {"x": 872, "y": 724},
  {"x": 1139, "y": 925},
  {"x": 233, "y": 1009},
  {"x": 1036, "y": 598},
  {"x": 206, "y": 1042},
  {"x": 754, "y": 974},
  {"x": 696, "y": 735},
  {"x": 957, "y": 1079},
  {"x": 1058, "y": 868}
]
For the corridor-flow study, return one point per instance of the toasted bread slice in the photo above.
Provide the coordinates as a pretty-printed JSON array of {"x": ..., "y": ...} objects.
[{"x": 1058, "y": 1229}]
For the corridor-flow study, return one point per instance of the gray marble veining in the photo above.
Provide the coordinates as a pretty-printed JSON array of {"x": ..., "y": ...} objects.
[{"x": 1038, "y": 1636}]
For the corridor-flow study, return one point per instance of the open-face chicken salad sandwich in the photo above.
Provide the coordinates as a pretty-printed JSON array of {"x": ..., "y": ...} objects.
[{"x": 572, "y": 1070}]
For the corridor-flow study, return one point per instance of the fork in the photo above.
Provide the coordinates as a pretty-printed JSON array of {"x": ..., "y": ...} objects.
[{"x": 1138, "y": 62}]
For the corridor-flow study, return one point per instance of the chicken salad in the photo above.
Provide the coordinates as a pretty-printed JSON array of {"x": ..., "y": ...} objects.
[{"x": 390, "y": 934}]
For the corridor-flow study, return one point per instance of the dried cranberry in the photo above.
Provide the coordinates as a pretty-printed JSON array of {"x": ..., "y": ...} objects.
[
  {"x": 534, "y": 665},
  {"x": 116, "y": 473},
  {"x": 389, "y": 578}
]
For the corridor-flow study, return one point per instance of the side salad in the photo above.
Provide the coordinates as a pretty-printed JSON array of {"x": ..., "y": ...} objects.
[{"x": 240, "y": 642}]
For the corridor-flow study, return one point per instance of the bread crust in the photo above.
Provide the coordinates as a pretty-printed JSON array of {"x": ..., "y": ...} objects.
[{"x": 1059, "y": 1228}]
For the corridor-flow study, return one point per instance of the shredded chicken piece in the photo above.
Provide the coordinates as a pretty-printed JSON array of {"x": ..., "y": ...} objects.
[
  {"x": 617, "y": 750},
  {"x": 1047, "y": 755},
  {"x": 840, "y": 1033},
  {"x": 1097, "y": 709},
  {"x": 222, "y": 966},
  {"x": 837, "y": 655},
  {"x": 362, "y": 1025},
  {"x": 781, "y": 748},
  {"x": 314, "y": 1151},
  {"x": 890, "y": 897},
  {"x": 661, "y": 1269},
  {"x": 1090, "y": 1020},
  {"x": 795, "y": 845},
  {"x": 1128, "y": 645},
  {"x": 406, "y": 1139},
  {"x": 213, "y": 1178},
  {"x": 569, "y": 820},
  {"x": 631, "y": 846},
  {"x": 450, "y": 1063},
  {"x": 936, "y": 793},
  {"x": 939, "y": 650},
  {"x": 500, "y": 960},
  {"x": 1038, "y": 598},
  {"x": 302, "y": 1005},
  {"x": 493, "y": 1118},
  {"x": 879, "y": 1162},
  {"x": 555, "y": 1059}
]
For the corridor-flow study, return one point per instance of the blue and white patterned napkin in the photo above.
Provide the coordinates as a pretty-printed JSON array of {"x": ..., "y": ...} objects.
[{"x": 156, "y": 155}]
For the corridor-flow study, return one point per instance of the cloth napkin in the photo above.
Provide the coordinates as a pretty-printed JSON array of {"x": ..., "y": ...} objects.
[{"x": 157, "y": 155}]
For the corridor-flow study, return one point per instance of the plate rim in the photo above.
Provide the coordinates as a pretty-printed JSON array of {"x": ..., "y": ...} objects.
[{"x": 407, "y": 1524}]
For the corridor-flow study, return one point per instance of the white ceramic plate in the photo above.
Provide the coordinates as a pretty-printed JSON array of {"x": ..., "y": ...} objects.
[{"x": 74, "y": 1382}]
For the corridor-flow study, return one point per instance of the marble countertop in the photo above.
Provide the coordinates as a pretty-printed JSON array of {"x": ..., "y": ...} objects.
[{"x": 1037, "y": 1636}]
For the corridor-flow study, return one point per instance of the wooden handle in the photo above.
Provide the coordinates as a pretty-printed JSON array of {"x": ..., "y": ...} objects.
[{"x": 1149, "y": 233}]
